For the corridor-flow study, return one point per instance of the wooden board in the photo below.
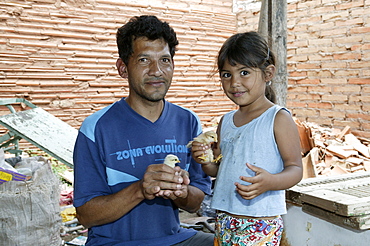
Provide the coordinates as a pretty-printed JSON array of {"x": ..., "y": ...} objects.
[
  {"x": 354, "y": 222},
  {"x": 45, "y": 131},
  {"x": 346, "y": 196}
]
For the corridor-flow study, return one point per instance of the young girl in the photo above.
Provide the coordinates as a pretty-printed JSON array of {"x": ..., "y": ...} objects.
[{"x": 260, "y": 146}]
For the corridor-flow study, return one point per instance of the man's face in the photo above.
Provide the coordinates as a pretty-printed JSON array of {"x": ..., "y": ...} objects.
[{"x": 150, "y": 69}]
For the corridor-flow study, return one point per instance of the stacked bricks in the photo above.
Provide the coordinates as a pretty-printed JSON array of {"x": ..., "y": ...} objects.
[
  {"x": 61, "y": 55},
  {"x": 328, "y": 61}
]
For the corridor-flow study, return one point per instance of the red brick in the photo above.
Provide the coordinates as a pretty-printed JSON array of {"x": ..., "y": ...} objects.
[
  {"x": 323, "y": 105},
  {"x": 346, "y": 107},
  {"x": 361, "y": 64},
  {"x": 308, "y": 81},
  {"x": 321, "y": 57},
  {"x": 332, "y": 114},
  {"x": 334, "y": 64},
  {"x": 347, "y": 56},
  {"x": 355, "y": 30},
  {"x": 364, "y": 134},
  {"x": 298, "y": 43},
  {"x": 335, "y": 32},
  {"x": 321, "y": 73},
  {"x": 319, "y": 9},
  {"x": 306, "y": 65},
  {"x": 347, "y": 40},
  {"x": 296, "y": 89},
  {"x": 321, "y": 121},
  {"x": 320, "y": 41},
  {"x": 362, "y": 98},
  {"x": 294, "y": 104},
  {"x": 299, "y": 28},
  {"x": 350, "y": 5},
  {"x": 308, "y": 4},
  {"x": 365, "y": 46},
  {"x": 346, "y": 73},
  {"x": 359, "y": 81},
  {"x": 347, "y": 89},
  {"x": 308, "y": 97},
  {"x": 319, "y": 89},
  {"x": 298, "y": 58},
  {"x": 337, "y": 81},
  {"x": 349, "y": 22},
  {"x": 344, "y": 123},
  {"x": 298, "y": 74},
  {"x": 299, "y": 112},
  {"x": 335, "y": 98},
  {"x": 361, "y": 116},
  {"x": 326, "y": 16}
]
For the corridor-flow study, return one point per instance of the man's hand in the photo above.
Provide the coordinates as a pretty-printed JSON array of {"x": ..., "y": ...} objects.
[
  {"x": 181, "y": 192},
  {"x": 161, "y": 180}
]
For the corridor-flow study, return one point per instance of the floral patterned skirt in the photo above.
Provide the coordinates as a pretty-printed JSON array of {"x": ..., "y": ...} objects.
[{"x": 234, "y": 231}]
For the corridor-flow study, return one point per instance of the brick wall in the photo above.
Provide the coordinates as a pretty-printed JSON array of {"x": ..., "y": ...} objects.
[
  {"x": 328, "y": 60},
  {"x": 61, "y": 55}
]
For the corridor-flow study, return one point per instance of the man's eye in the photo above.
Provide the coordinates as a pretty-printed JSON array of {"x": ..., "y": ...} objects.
[
  {"x": 166, "y": 60},
  {"x": 143, "y": 60},
  {"x": 244, "y": 73}
]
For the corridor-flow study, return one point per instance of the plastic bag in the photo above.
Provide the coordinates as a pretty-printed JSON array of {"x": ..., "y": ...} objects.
[{"x": 29, "y": 210}]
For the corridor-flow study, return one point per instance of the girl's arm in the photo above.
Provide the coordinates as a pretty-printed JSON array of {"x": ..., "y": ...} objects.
[
  {"x": 288, "y": 142},
  {"x": 287, "y": 139},
  {"x": 198, "y": 149}
]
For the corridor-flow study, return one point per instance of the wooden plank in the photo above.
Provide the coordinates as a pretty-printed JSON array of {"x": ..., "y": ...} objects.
[
  {"x": 45, "y": 131},
  {"x": 337, "y": 202},
  {"x": 330, "y": 183},
  {"x": 308, "y": 162},
  {"x": 354, "y": 222},
  {"x": 357, "y": 145},
  {"x": 341, "y": 151},
  {"x": 345, "y": 131}
]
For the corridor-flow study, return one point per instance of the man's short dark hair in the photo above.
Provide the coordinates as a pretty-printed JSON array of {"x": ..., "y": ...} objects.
[{"x": 148, "y": 26}]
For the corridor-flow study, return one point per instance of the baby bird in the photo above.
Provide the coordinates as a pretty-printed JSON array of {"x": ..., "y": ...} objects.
[
  {"x": 206, "y": 138},
  {"x": 171, "y": 160}
]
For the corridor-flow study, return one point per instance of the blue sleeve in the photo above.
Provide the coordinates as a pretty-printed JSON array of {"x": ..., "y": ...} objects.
[{"x": 89, "y": 171}]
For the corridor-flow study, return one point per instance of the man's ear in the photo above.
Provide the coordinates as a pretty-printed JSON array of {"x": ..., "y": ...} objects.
[
  {"x": 122, "y": 69},
  {"x": 270, "y": 72}
]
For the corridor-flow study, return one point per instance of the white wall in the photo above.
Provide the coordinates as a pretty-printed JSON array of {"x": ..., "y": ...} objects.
[{"x": 303, "y": 229}]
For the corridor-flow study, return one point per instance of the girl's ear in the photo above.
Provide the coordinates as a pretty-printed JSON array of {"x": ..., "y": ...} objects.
[
  {"x": 122, "y": 69},
  {"x": 270, "y": 72}
]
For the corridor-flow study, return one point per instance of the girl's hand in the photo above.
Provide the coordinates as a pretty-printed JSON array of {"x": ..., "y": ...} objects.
[
  {"x": 260, "y": 183},
  {"x": 198, "y": 149}
]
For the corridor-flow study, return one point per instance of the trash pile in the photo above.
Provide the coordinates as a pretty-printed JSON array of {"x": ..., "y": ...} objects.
[
  {"x": 37, "y": 203},
  {"x": 72, "y": 231},
  {"x": 331, "y": 151},
  {"x": 29, "y": 208}
]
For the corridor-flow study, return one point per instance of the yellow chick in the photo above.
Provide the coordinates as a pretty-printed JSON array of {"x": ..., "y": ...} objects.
[
  {"x": 171, "y": 160},
  {"x": 206, "y": 138}
]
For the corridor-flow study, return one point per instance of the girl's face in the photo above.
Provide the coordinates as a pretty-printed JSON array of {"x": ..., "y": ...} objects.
[{"x": 243, "y": 85}]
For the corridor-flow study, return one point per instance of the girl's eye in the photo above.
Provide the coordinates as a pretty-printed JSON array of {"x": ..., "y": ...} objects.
[
  {"x": 225, "y": 75},
  {"x": 243, "y": 73}
]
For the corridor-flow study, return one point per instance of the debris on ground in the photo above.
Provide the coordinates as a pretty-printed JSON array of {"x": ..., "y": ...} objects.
[{"x": 331, "y": 151}]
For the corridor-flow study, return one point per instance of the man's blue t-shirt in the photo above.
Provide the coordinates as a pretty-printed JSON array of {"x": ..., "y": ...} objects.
[{"x": 113, "y": 149}]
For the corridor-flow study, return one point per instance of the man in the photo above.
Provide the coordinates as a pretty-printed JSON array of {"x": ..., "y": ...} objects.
[{"x": 123, "y": 192}]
